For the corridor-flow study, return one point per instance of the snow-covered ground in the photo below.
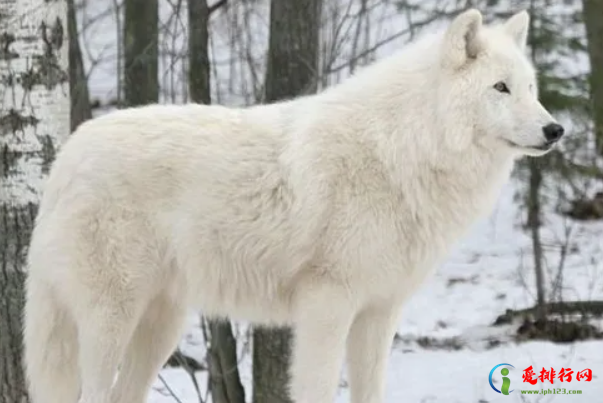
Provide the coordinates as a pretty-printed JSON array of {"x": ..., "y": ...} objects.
[{"x": 490, "y": 271}]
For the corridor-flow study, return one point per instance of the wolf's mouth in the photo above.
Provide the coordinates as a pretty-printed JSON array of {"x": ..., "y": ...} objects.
[{"x": 543, "y": 147}]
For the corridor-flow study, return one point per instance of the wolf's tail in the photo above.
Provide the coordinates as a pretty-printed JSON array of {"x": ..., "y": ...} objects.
[{"x": 51, "y": 347}]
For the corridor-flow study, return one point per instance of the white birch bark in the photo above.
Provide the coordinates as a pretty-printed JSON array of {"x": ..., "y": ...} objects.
[{"x": 34, "y": 121}]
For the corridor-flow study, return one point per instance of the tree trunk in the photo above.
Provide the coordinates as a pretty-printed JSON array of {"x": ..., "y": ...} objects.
[
  {"x": 593, "y": 10},
  {"x": 291, "y": 71},
  {"x": 534, "y": 213},
  {"x": 34, "y": 120},
  {"x": 198, "y": 47},
  {"x": 226, "y": 386},
  {"x": 292, "y": 68},
  {"x": 141, "y": 51},
  {"x": 534, "y": 202},
  {"x": 78, "y": 82},
  {"x": 271, "y": 361}
]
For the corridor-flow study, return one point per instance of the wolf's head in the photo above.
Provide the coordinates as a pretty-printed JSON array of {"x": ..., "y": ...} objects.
[{"x": 487, "y": 84}]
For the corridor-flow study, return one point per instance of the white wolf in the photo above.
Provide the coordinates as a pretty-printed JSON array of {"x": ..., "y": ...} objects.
[{"x": 324, "y": 213}]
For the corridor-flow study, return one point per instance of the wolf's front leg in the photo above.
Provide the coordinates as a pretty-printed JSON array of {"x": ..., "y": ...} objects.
[
  {"x": 323, "y": 316},
  {"x": 368, "y": 348}
]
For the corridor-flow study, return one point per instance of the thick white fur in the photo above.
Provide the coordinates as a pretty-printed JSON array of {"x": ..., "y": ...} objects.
[{"x": 324, "y": 212}]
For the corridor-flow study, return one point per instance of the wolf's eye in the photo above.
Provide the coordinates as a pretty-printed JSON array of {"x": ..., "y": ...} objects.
[{"x": 501, "y": 87}]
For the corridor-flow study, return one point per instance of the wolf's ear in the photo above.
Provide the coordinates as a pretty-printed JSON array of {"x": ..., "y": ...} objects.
[
  {"x": 462, "y": 41},
  {"x": 517, "y": 27}
]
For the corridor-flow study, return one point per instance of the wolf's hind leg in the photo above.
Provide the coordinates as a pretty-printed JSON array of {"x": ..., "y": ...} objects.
[
  {"x": 105, "y": 329},
  {"x": 51, "y": 350},
  {"x": 155, "y": 338}
]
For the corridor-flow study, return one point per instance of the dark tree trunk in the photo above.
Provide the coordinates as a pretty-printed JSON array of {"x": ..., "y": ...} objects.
[
  {"x": 16, "y": 224},
  {"x": 78, "y": 88},
  {"x": 271, "y": 361},
  {"x": 593, "y": 12},
  {"x": 141, "y": 50},
  {"x": 292, "y": 68},
  {"x": 534, "y": 216},
  {"x": 291, "y": 71},
  {"x": 198, "y": 40},
  {"x": 534, "y": 202},
  {"x": 226, "y": 386}
]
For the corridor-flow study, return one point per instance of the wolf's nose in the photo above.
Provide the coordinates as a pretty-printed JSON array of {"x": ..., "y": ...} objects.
[{"x": 553, "y": 132}]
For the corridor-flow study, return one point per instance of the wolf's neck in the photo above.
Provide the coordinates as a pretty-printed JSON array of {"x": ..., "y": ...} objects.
[{"x": 397, "y": 99}]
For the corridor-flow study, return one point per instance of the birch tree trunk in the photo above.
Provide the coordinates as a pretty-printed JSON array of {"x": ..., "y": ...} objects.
[
  {"x": 34, "y": 120},
  {"x": 291, "y": 71}
]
